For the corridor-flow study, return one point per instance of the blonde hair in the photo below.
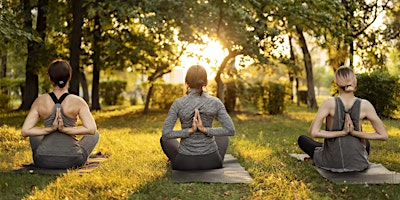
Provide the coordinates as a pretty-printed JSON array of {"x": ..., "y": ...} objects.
[{"x": 346, "y": 79}]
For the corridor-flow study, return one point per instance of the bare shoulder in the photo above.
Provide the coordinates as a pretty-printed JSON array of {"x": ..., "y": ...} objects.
[
  {"x": 328, "y": 102},
  {"x": 74, "y": 102},
  {"x": 77, "y": 100},
  {"x": 367, "y": 109},
  {"x": 367, "y": 106}
]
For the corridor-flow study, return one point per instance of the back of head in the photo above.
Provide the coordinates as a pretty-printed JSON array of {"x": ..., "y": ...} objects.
[
  {"x": 59, "y": 72},
  {"x": 196, "y": 77},
  {"x": 346, "y": 79}
]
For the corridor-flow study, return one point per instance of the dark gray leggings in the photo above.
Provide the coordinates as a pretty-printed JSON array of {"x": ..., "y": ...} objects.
[
  {"x": 308, "y": 145},
  {"x": 195, "y": 162},
  {"x": 87, "y": 143}
]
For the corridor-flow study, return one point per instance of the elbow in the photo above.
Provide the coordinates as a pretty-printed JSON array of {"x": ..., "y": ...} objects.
[
  {"x": 233, "y": 132},
  {"x": 24, "y": 133},
  {"x": 385, "y": 138},
  {"x": 92, "y": 131},
  {"x": 313, "y": 134}
]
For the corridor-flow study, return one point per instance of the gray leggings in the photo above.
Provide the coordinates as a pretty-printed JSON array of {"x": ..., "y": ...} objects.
[
  {"x": 87, "y": 144},
  {"x": 195, "y": 162}
]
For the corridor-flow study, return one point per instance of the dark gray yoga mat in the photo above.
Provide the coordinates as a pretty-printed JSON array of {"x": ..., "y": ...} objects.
[
  {"x": 231, "y": 172},
  {"x": 375, "y": 174},
  {"x": 93, "y": 162}
]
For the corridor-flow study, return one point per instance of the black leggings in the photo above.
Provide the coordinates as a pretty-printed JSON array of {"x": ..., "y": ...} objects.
[
  {"x": 308, "y": 145},
  {"x": 195, "y": 162}
]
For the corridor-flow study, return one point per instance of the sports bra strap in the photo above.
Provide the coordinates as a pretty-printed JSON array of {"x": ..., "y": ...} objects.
[{"x": 60, "y": 100}]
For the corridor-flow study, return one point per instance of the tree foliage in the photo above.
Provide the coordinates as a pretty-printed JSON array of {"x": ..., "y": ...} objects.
[{"x": 151, "y": 36}]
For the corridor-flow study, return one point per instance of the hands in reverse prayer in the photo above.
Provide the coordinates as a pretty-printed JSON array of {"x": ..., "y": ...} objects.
[
  {"x": 348, "y": 127},
  {"x": 58, "y": 124},
  {"x": 197, "y": 124}
]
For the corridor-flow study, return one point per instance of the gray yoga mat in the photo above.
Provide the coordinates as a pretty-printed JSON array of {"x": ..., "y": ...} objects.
[
  {"x": 93, "y": 162},
  {"x": 375, "y": 174},
  {"x": 231, "y": 172}
]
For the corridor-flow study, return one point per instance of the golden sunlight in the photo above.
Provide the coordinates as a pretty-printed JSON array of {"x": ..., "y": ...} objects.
[{"x": 209, "y": 56}]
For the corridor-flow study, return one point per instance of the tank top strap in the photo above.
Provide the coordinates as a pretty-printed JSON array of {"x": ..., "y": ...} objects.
[
  {"x": 60, "y": 100},
  {"x": 340, "y": 112}
]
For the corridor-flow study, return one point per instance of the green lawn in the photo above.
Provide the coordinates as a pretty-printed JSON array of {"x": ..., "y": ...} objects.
[{"x": 137, "y": 168}]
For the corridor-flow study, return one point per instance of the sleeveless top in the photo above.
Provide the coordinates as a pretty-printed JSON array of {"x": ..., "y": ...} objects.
[
  {"x": 57, "y": 143},
  {"x": 346, "y": 153}
]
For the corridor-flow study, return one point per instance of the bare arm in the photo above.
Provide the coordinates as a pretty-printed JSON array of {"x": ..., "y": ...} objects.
[
  {"x": 29, "y": 127},
  {"x": 326, "y": 109},
  {"x": 368, "y": 111}
]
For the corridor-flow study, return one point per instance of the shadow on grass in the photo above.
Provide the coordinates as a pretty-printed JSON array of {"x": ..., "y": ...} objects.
[
  {"x": 12, "y": 118},
  {"x": 19, "y": 185},
  {"x": 165, "y": 188}
]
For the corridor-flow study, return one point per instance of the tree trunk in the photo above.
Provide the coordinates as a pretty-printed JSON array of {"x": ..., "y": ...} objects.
[
  {"x": 311, "y": 101},
  {"x": 218, "y": 80},
  {"x": 292, "y": 72},
  {"x": 96, "y": 63},
  {"x": 75, "y": 46},
  {"x": 31, "y": 88},
  {"x": 148, "y": 98},
  {"x": 95, "y": 87},
  {"x": 85, "y": 88},
  {"x": 297, "y": 91},
  {"x": 4, "y": 66}
]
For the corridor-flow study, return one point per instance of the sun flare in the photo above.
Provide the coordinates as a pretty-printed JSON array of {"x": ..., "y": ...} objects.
[{"x": 209, "y": 56}]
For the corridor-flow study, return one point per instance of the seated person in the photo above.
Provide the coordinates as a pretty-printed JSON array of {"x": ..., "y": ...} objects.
[
  {"x": 201, "y": 146},
  {"x": 346, "y": 146},
  {"x": 56, "y": 145}
]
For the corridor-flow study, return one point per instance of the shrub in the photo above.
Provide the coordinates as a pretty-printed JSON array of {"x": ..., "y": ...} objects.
[
  {"x": 267, "y": 98},
  {"x": 9, "y": 89},
  {"x": 164, "y": 94},
  {"x": 303, "y": 96},
  {"x": 381, "y": 89},
  {"x": 111, "y": 92},
  {"x": 276, "y": 98}
]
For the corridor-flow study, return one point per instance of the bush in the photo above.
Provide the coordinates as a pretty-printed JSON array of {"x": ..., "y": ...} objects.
[
  {"x": 267, "y": 98},
  {"x": 381, "y": 89},
  {"x": 276, "y": 98},
  {"x": 111, "y": 92},
  {"x": 164, "y": 94},
  {"x": 9, "y": 89},
  {"x": 303, "y": 96}
]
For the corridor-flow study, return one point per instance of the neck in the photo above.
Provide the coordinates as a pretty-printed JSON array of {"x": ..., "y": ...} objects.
[
  {"x": 346, "y": 94},
  {"x": 58, "y": 90}
]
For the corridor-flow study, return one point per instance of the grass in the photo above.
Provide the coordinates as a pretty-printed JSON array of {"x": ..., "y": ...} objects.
[{"x": 137, "y": 168}]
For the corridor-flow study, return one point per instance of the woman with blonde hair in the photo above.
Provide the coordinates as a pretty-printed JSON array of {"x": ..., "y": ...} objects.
[
  {"x": 56, "y": 144},
  {"x": 345, "y": 147}
]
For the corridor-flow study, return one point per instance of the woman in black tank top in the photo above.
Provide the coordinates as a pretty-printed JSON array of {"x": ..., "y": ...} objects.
[{"x": 56, "y": 145}]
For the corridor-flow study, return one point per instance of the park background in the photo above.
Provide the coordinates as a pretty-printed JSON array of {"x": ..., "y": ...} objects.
[{"x": 270, "y": 62}]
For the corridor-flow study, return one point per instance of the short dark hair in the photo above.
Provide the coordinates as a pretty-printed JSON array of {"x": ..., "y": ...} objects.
[{"x": 59, "y": 72}]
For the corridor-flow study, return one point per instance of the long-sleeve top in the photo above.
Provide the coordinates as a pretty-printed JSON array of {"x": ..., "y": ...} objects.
[{"x": 210, "y": 108}]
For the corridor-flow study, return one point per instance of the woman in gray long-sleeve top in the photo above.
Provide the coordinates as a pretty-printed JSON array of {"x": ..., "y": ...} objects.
[{"x": 201, "y": 146}]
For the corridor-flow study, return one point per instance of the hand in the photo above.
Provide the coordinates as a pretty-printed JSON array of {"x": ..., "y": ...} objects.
[
  {"x": 199, "y": 123},
  {"x": 348, "y": 127},
  {"x": 194, "y": 126},
  {"x": 58, "y": 123}
]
